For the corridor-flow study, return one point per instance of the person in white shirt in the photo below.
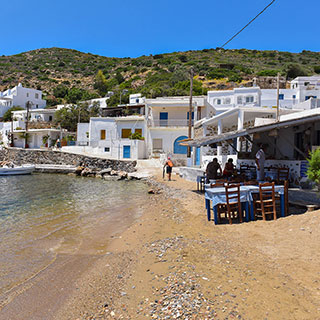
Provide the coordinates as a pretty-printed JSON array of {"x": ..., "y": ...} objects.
[{"x": 260, "y": 159}]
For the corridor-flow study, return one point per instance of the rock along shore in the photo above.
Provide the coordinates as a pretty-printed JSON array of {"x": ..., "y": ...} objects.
[{"x": 50, "y": 161}]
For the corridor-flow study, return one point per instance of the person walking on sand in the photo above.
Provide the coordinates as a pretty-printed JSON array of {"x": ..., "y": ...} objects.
[
  {"x": 260, "y": 159},
  {"x": 168, "y": 165}
]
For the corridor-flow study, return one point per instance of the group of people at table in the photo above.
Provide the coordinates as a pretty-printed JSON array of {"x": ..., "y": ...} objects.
[
  {"x": 218, "y": 183},
  {"x": 214, "y": 171}
]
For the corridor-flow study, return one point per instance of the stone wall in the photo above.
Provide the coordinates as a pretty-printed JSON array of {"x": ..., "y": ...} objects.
[{"x": 24, "y": 156}]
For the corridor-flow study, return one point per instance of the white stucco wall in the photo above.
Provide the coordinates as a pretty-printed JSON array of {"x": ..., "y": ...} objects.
[{"x": 168, "y": 136}]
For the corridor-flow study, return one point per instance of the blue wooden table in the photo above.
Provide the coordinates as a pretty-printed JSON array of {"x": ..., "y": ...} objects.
[{"x": 218, "y": 196}]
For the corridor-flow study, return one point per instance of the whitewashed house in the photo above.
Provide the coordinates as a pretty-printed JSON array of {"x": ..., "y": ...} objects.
[
  {"x": 41, "y": 132},
  {"x": 167, "y": 124},
  {"x": 112, "y": 137},
  {"x": 19, "y": 96},
  {"x": 163, "y": 122}
]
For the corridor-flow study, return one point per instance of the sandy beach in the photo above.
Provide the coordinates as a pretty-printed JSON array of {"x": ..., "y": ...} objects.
[{"x": 173, "y": 264}]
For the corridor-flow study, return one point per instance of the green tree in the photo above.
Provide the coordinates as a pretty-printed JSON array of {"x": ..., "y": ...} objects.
[
  {"x": 119, "y": 77},
  {"x": 60, "y": 91},
  {"x": 100, "y": 83},
  {"x": 8, "y": 116},
  {"x": 68, "y": 117},
  {"x": 74, "y": 95},
  {"x": 313, "y": 172},
  {"x": 295, "y": 70}
]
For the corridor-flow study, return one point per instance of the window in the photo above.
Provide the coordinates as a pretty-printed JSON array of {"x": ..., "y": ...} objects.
[
  {"x": 249, "y": 99},
  {"x": 157, "y": 144},
  {"x": 138, "y": 131},
  {"x": 27, "y": 95},
  {"x": 50, "y": 118},
  {"x": 239, "y": 100},
  {"x": 218, "y": 101},
  {"x": 37, "y": 95},
  {"x": 294, "y": 96},
  {"x": 306, "y": 83},
  {"x": 281, "y": 96},
  {"x": 102, "y": 134},
  {"x": 137, "y": 100},
  {"x": 125, "y": 133},
  {"x": 107, "y": 149},
  {"x": 37, "y": 106},
  {"x": 228, "y": 100},
  {"x": 192, "y": 117}
]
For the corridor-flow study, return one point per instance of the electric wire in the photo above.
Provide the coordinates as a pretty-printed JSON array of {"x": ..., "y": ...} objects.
[{"x": 248, "y": 23}]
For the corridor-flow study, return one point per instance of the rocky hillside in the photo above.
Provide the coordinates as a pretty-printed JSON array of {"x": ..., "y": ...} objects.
[{"x": 69, "y": 75}]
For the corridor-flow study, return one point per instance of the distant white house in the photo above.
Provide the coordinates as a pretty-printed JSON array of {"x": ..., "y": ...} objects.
[
  {"x": 301, "y": 89},
  {"x": 41, "y": 132},
  {"x": 19, "y": 96}
]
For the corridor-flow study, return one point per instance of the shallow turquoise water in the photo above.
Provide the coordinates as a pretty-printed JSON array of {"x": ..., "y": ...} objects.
[{"x": 43, "y": 214}]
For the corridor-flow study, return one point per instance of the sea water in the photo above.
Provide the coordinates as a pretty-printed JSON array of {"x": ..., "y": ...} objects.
[{"x": 45, "y": 214}]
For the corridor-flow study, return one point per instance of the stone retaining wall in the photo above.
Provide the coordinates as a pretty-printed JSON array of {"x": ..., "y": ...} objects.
[{"x": 24, "y": 156}]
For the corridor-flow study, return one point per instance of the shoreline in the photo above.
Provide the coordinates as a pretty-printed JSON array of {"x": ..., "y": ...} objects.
[{"x": 172, "y": 263}]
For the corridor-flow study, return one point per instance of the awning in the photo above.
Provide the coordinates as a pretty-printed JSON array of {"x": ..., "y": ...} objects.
[{"x": 235, "y": 134}]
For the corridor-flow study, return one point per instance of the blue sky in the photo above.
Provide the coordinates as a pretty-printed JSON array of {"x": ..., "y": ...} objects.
[{"x": 123, "y": 28}]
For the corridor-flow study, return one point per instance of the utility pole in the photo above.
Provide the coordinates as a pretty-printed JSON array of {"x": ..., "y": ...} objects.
[
  {"x": 190, "y": 111},
  {"x": 278, "y": 89},
  {"x": 27, "y": 123}
]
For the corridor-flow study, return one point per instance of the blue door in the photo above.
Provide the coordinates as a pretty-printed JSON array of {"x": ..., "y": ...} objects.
[
  {"x": 163, "y": 119},
  {"x": 126, "y": 152},
  {"x": 177, "y": 148},
  {"x": 198, "y": 156}
]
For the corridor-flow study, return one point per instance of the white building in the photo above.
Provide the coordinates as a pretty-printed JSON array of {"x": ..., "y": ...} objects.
[
  {"x": 18, "y": 97},
  {"x": 167, "y": 124},
  {"x": 112, "y": 137},
  {"x": 301, "y": 89},
  {"x": 163, "y": 123},
  {"x": 41, "y": 132}
]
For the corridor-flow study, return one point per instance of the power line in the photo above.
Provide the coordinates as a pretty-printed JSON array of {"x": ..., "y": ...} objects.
[{"x": 249, "y": 22}]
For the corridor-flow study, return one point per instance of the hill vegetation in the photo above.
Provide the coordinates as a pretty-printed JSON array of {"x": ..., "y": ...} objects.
[{"x": 67, "y": 75}]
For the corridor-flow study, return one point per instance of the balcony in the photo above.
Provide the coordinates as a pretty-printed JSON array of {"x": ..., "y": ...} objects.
[
  {"x": 169, "y": 123},
  {"x": 41, "y": 125}
]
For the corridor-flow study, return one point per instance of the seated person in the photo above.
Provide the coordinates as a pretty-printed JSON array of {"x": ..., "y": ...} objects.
[
  {"x": 228, "y": 169},
  {"x": 212, "y": 170}
]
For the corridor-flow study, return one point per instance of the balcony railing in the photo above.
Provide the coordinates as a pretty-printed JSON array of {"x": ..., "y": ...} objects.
[{"x": 170, "y": 123}]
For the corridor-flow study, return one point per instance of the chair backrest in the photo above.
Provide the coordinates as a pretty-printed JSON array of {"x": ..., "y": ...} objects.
[
  {"x": 251, "y": 183},
  {"x": 217, "y": 185},
  {"x": 221, "y": 181},
  {"x": 233, "y": 194},
  {"x": 283, "y": 174},
  {"x": 266, "y": 191}
]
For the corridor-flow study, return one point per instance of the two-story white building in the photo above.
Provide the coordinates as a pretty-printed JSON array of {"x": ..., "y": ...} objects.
[
  {"x": 41, "y": 131},
  {"x": 163, "y": 123},
  {"x": 167, "y": 124},
  {"x": 112, "y": 137},
  {"x": 301, "y": 89},
  {"x": 19, "y": 96}
]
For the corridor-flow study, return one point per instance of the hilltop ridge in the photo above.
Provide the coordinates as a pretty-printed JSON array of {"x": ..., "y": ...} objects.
[{"x": 57, "y": 70}]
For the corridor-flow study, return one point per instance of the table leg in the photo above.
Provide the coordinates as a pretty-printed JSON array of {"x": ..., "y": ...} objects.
[
  {"x": 247, "y": 211},
  {"x": 252, "y": 211},
  {"x": 283, "y": 214},
  {"x": 208, "y": 209},
  {"x": 215, "y": 212}
]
